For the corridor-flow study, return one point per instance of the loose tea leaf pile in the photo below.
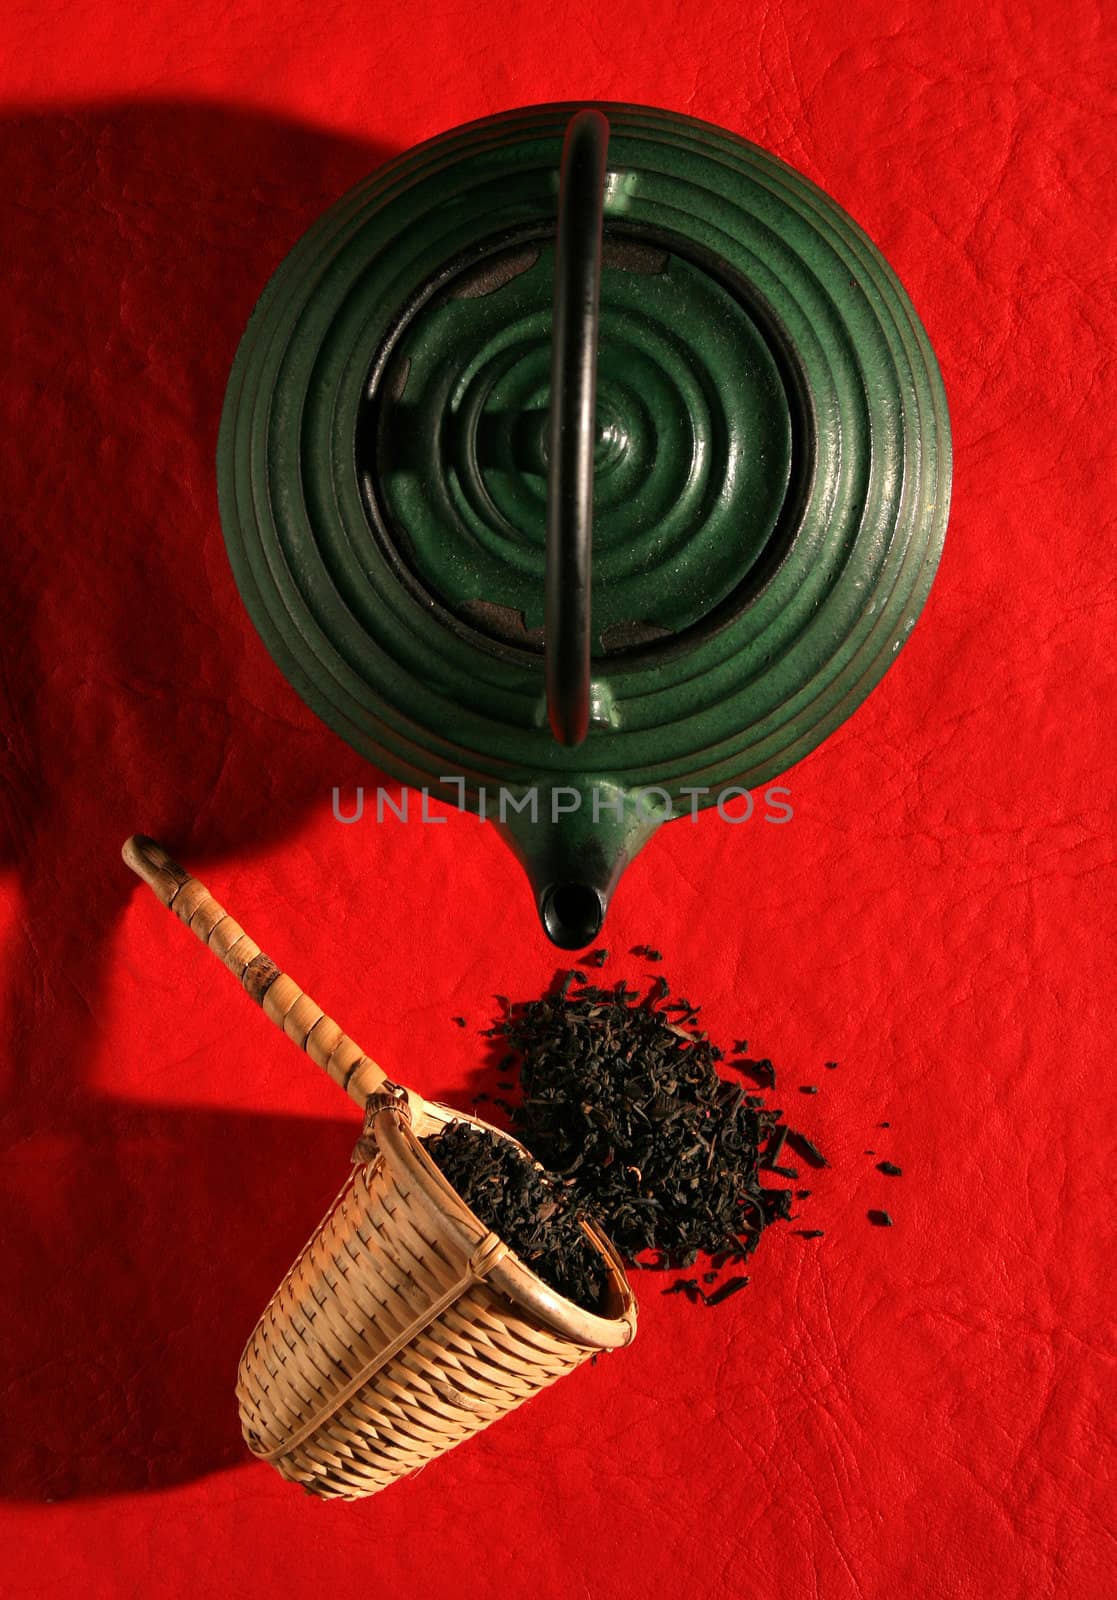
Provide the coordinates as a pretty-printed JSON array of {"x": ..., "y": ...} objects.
[
  {"x": 624, "y": 1102},
  {"x": 535, "y": 1217}
]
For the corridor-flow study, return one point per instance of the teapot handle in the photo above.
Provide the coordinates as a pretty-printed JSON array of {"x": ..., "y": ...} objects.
[{"x": 572, "y": 432}]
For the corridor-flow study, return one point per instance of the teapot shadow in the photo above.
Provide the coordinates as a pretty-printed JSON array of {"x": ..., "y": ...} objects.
[{"x": 148, "y": 1238}]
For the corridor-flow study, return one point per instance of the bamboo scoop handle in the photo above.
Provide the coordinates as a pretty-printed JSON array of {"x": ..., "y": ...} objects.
[{"x": 301, "y": 1019}]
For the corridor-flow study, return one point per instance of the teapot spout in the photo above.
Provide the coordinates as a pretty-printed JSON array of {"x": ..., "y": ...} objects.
[
  {"x": 574, "y": 841},
  {"x": 572, "y": 913}
]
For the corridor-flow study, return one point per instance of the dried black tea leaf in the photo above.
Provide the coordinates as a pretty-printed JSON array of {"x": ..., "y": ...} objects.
[
  {"x": 535, "y": 1216},
  {"x": 729, "y": 1287},
  {"x": 762, "y": 1072},
  {"x": 810, "y": 1152},
  {"x": 774, "y": 1146},
  {"x": 687, "y": 1286}
]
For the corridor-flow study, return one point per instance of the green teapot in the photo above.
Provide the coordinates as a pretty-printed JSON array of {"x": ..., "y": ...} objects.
[{"x": 582, "y": 466}]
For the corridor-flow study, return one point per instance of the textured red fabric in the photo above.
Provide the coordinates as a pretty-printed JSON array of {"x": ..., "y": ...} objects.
[{"x": 923, "y": 1411}]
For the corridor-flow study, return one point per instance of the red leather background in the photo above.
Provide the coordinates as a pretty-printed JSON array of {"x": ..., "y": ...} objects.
[{"x": 922, "y": 1412}]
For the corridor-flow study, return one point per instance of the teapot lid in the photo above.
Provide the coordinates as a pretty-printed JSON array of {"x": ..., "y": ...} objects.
[{"x": 702, "y": 440}]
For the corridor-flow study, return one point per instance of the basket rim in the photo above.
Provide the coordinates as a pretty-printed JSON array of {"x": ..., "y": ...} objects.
[{"x": 511, "y": 1276}]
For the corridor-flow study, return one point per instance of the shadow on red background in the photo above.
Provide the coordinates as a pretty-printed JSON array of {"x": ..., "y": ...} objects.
[{"x": 136, "y": 1254}]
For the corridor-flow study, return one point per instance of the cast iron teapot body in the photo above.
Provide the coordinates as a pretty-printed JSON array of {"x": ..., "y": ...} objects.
[{"x": 455, "y": 385}]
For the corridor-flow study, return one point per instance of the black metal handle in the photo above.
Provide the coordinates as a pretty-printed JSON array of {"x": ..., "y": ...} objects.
[{"x": 572, "y": 430}]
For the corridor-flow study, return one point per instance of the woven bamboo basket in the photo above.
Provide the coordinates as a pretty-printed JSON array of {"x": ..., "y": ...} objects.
[{"x": 405, "y": 1325}]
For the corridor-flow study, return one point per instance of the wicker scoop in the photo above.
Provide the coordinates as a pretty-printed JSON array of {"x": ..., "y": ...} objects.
[{"x": 405, "y": 1325}]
